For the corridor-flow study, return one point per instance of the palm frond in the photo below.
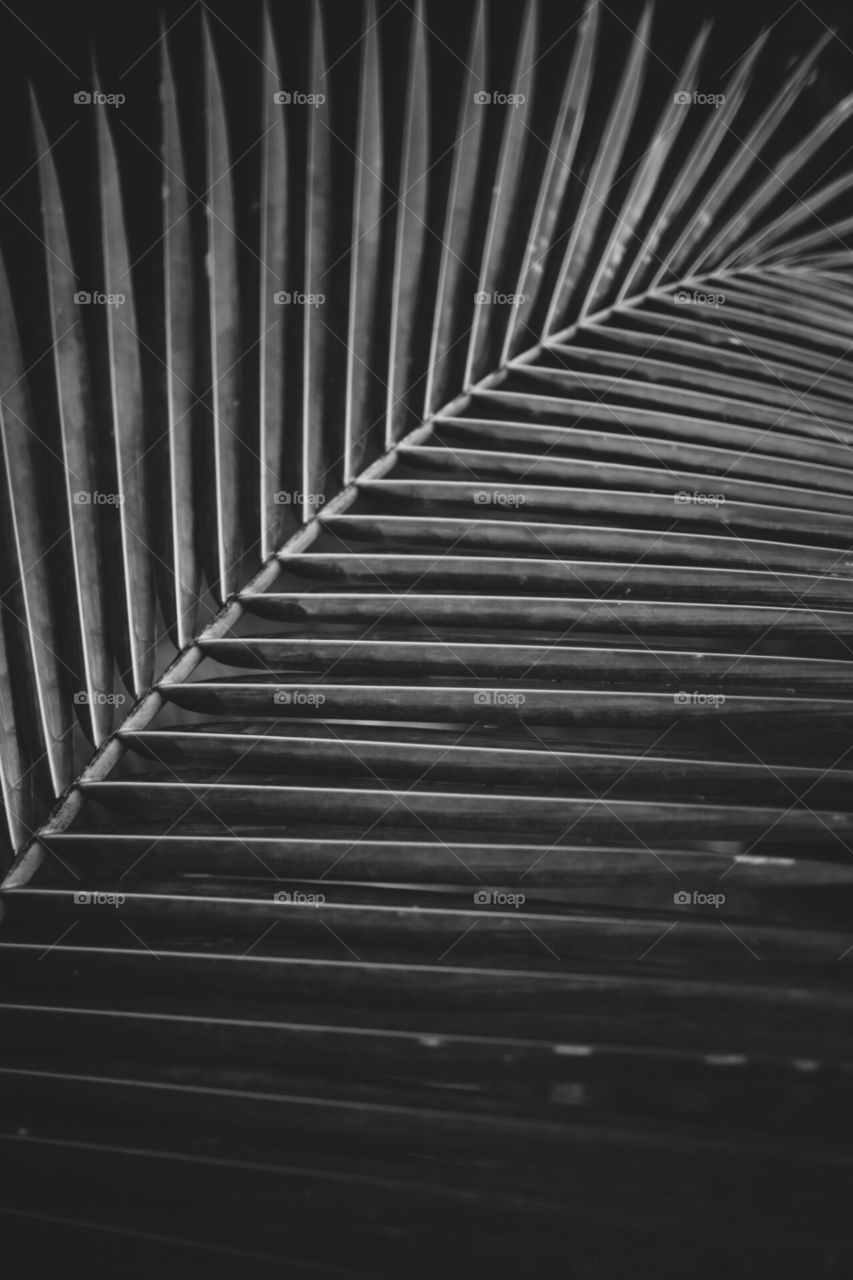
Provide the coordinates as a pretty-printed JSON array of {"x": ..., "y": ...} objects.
[{"x": 451, "y": 523}]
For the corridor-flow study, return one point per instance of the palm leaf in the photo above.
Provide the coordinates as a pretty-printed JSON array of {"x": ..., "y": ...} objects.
[
  {"x": 224, "y": 312},
  {"x": 531, "y": 631},
  {"x": 179, "y": 319},
  {"x": 127, "y": 431}
]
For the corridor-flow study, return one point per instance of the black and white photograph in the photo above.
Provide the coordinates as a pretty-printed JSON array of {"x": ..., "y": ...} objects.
[{"x": 426, "y": 639}]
